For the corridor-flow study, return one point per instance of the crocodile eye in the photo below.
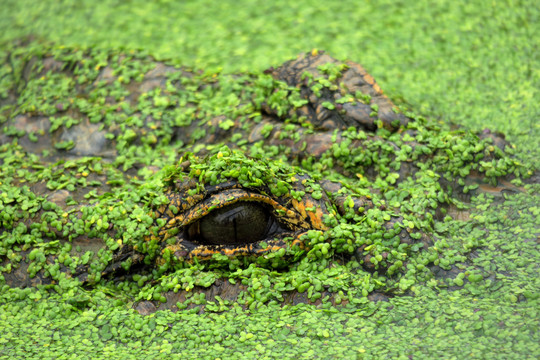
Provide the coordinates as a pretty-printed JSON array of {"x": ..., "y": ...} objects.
[
  {"x": 240, "y": 223},
  {"x": 231, "y": 221}
]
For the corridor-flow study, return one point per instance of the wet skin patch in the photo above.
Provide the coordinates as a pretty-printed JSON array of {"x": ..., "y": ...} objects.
[{"x": 107, "y": 181}]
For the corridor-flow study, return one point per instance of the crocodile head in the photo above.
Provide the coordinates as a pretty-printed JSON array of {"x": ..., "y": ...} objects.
[{"x": 288, "y": 185}]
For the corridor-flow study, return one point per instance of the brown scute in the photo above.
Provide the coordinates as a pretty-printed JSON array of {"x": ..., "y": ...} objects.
[{"x": 353, "y": 79}]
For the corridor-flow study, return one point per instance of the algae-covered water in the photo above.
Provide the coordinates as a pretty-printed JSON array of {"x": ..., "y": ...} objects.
[{"x": 476, "y": 64}]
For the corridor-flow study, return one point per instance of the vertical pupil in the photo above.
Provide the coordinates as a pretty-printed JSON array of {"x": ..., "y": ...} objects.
[{"x": 239, "y": 223}]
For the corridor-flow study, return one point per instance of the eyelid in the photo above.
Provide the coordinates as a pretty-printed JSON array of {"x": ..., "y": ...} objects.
[{"x": 228, "y": 197}]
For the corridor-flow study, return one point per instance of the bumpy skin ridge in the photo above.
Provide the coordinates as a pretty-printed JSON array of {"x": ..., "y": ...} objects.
[{"x": 354, "y": 78}]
